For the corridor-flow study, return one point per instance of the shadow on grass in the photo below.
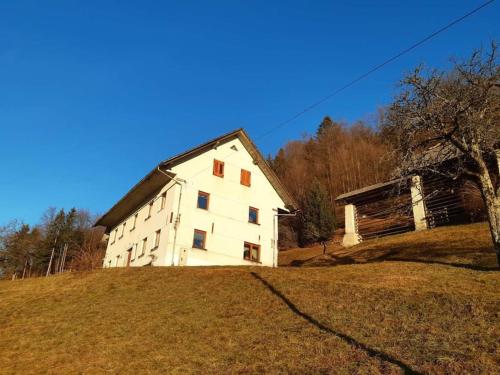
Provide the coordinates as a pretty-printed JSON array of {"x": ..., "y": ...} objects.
[
  {"x": 450, "y": 264},
  {"x": 414, "y": 253},
  {"x": 348, "y": 339},
  {"x": 333, "y": 260}
]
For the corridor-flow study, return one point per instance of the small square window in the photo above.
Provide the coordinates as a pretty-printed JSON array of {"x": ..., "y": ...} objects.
[
  {"x": 253, "y": 215},
  {"x": 251, "y": 252},
  {"x": 199, "y": 239},
  {"x": 203, "y": 200},
  {"x": 245, "y": 177},
  {"x": 218, "y": 168}
]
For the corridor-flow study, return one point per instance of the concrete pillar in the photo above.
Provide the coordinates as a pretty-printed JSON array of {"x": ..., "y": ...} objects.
[
  {"x": 351, "y": 236},
  {"x": 418, "y": 204}
]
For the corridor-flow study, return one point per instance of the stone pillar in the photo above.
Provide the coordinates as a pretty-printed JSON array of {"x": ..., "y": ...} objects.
[
  {"x": 351, "y": 236},
  {"x": 418, "y": 204}
]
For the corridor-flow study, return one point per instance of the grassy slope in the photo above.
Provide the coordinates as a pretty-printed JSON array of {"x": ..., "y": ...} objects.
[
  {"x": 363, "y": 318},
  {"x": 463, "y": 245}
]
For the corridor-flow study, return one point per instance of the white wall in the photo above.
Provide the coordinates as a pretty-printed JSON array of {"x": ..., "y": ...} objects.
[
  {"x": 144, "y": 229},
  {"x": 227, "y": 213},
  {"x": 228, "y": 210}
]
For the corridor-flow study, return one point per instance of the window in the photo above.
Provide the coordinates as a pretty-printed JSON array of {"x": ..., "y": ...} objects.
[
  {"x": 150, "y": 209},
  {"x": 157, "y": 239},
  {"x": 163, "y": 200},
  {"x": 115, "y": 234},
  {"x": 245, "y": 177},
  {"x": 253, "y": 215},
  {"x": 203, "y": 199},
  {"x": 144, "y": 244},
  {"x": 199, "y": 239},
  {"x": 251, "y": 252},
  {"x": 123, "y": 229},
  {"x": 117, "y": 259},
  {"x": 218, "y": 168},
  {"x": 134, "y": 222}
]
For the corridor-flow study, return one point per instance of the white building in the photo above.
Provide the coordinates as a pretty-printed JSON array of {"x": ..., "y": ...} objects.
[{"x": 213, "y": 205}]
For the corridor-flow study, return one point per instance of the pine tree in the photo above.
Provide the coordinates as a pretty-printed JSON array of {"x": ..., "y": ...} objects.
[{"x": 318, "y": 218}]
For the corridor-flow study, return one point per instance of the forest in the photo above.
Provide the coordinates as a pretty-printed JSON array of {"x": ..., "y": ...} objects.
[
  {"x": 338, "y": 158},
  {"x": 61, "y": 241}
]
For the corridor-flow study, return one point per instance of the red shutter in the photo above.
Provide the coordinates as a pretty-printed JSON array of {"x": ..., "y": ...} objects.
[
  {"x": 218, "y": 168},
  {"x": 245, "y": 177}
]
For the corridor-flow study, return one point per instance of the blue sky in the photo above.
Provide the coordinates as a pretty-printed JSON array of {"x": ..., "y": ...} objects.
[{"x": 93, "y": 94}]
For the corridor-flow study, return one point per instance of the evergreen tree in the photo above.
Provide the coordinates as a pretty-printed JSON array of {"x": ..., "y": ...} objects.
[
  {"x": 19, "y": 249},
  {"x": 318, "y": 218},
  {"x": 324, "y": 127}
]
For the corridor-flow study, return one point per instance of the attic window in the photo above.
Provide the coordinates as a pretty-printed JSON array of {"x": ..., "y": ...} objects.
[
  {"x": 218, "y": 168},
  {"x": 233, "y": 147}
]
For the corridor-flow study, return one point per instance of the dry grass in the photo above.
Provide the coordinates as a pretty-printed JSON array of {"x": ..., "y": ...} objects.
[
  {"x": 466, "y": 246},
  {"x": 388, "y": 317}
]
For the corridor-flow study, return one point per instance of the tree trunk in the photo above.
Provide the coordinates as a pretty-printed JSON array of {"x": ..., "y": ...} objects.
[
  {"x": 492, "y": 203},
  {"x": 494, "y": 220}
]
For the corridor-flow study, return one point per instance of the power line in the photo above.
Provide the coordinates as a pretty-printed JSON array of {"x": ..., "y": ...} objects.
[{"x": 374, "y": 69}]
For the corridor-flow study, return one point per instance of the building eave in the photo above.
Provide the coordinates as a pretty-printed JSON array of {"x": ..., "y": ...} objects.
[{"x": 136, "y": 197}]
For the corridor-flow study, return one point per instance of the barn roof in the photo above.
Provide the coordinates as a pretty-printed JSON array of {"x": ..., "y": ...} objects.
[{"x": 369, "y": 190}]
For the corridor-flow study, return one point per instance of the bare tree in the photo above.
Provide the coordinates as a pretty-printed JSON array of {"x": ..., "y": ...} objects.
[{"x": 452, "y": 118}]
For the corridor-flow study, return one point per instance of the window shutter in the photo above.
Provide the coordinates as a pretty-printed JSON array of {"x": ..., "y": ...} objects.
[
  {"x": 245, "y": 177},
  {"x": 218, "y": 168},
  {"x": 215, "y": 167}
]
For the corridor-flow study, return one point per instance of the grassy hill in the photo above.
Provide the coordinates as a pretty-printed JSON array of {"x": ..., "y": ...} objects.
[
  {"x": 384, "y": 317},
  {"x": 467, "y": 246}
]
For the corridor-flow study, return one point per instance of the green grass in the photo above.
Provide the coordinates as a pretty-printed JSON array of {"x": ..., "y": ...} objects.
[{"x": 384, "y": 317}]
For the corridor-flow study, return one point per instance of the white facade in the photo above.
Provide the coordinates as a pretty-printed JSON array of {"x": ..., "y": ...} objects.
[{"x": 226, "y": 221}]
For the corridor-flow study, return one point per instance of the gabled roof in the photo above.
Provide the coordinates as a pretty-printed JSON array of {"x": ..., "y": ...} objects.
[{"x": 158, "y": 177}]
